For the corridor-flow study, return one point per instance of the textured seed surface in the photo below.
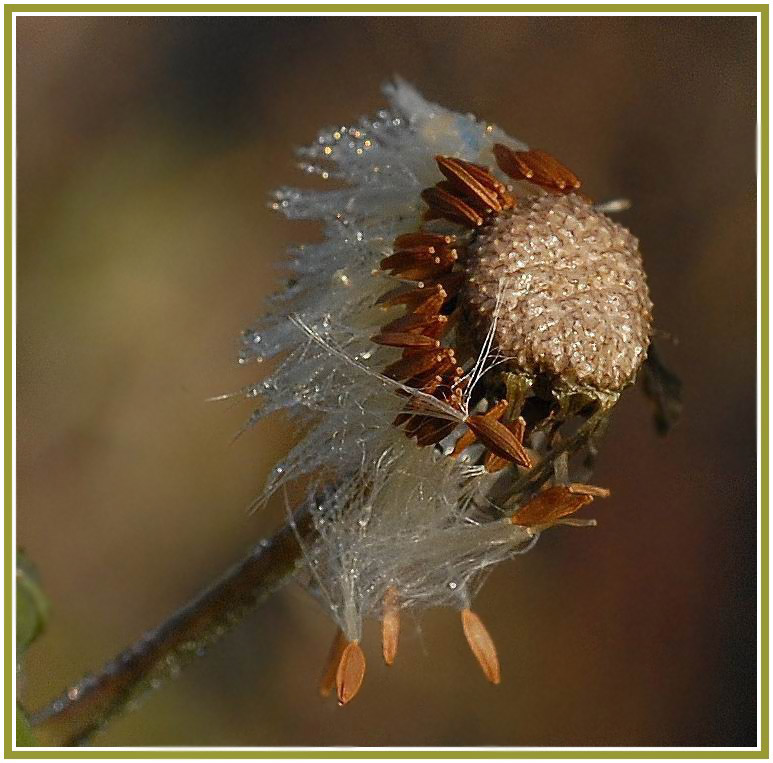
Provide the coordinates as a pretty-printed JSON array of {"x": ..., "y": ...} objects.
[{"x": 575, "y": 303}]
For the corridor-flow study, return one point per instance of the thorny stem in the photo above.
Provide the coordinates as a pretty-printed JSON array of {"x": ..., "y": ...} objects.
[
  {"x": 87, "y": 706},
  {"x": 90, "y": 704}
]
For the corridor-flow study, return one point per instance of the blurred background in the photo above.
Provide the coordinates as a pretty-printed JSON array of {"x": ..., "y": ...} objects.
[{"x": 147, "y": 148}]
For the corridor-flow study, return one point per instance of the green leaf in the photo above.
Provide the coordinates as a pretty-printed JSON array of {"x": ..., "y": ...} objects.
[
  {"x": 31, "y": 618},
  {"x": 24, "y": 737},
  {"x": 31, "y": 604}
]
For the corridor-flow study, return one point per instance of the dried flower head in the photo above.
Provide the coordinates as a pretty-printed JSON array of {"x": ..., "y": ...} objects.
[
  {"x": 576, "y": 306},
  {"x": 463, "y": 306}
]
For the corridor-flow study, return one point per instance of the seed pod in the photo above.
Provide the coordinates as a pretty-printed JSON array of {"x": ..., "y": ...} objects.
[{"x": 543, "y": 302}]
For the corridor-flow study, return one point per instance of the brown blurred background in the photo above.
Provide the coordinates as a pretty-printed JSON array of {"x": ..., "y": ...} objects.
[{"x": 147, "y": 148}]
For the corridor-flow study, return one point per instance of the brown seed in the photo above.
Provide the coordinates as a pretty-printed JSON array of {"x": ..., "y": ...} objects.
[
  {"x": 405, "y": 368},
  {"x": 481, "y": 645},
  {"x": 442, "y": 326},
  {"x": 328, "y": 679},
  {"x": 402, "y": 295},
  {"x": 537, "y": 167},
  {"x": 403, "y": 339},
  {"x": 426, "y": 383},
  {"x": 483, "y": 176},
  {"x": 401, "y": 260},
  {"x": 460, "y": 178},
  {"x": 351, "y": 671},
  {"x": 423, "y": 272},
  {"x": 447, "y": 257},
  {"x": 464, "y": 442},
  {"x": 446, "y": 362},
  {"x": 451, "y": 283},
  {"x": 444, "y": 204},
  {"x": 434, "y": 300},
  {"x": 518, "y": 428},
  {"x": 413, "y": 322},
  {"x": 416, "y": 422},
  {"x": 390, "y": 625},
  {"x": 420, "y": 299},
  {"x": 411, "y": 265},
  {"x": 496, "y": 411},
  {"x": 493, "y": 463},
  {"x": 499, "y": 439},
  {"x": 551, "y": 504},
  {"x": 409, "y": 258},
  {"x": 433, "y": 431}
]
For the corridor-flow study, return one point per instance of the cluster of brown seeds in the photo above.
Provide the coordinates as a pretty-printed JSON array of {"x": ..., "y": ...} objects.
[
  {"x": 575, "y": 308},
  {"x": 471, "y": 196},
  {"x": 345, "y": 667},
  {"x": 447, "y": 278}
]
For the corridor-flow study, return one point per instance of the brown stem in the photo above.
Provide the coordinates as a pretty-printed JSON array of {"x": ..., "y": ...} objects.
[
  {"x": 85, "y": 707},
  {"x": 89, "y": 704}
]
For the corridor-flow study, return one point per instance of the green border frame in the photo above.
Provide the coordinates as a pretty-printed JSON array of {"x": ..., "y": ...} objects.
[{"x": 216, "y": 753}]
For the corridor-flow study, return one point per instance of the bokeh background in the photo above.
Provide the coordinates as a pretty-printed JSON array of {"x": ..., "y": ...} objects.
[{"x": 146, "y": 151}]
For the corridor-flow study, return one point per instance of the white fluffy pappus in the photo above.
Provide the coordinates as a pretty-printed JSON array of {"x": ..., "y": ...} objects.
[{"x": 393, "y": 521}]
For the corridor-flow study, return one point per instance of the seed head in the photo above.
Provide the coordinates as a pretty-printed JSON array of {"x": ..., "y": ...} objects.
[
  {"x": 420, "y": 476},
  {"x": 574, "y": 303}
]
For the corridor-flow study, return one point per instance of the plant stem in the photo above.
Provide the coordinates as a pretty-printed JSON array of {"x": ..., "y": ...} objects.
[{"x": 88, "y": 705}]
